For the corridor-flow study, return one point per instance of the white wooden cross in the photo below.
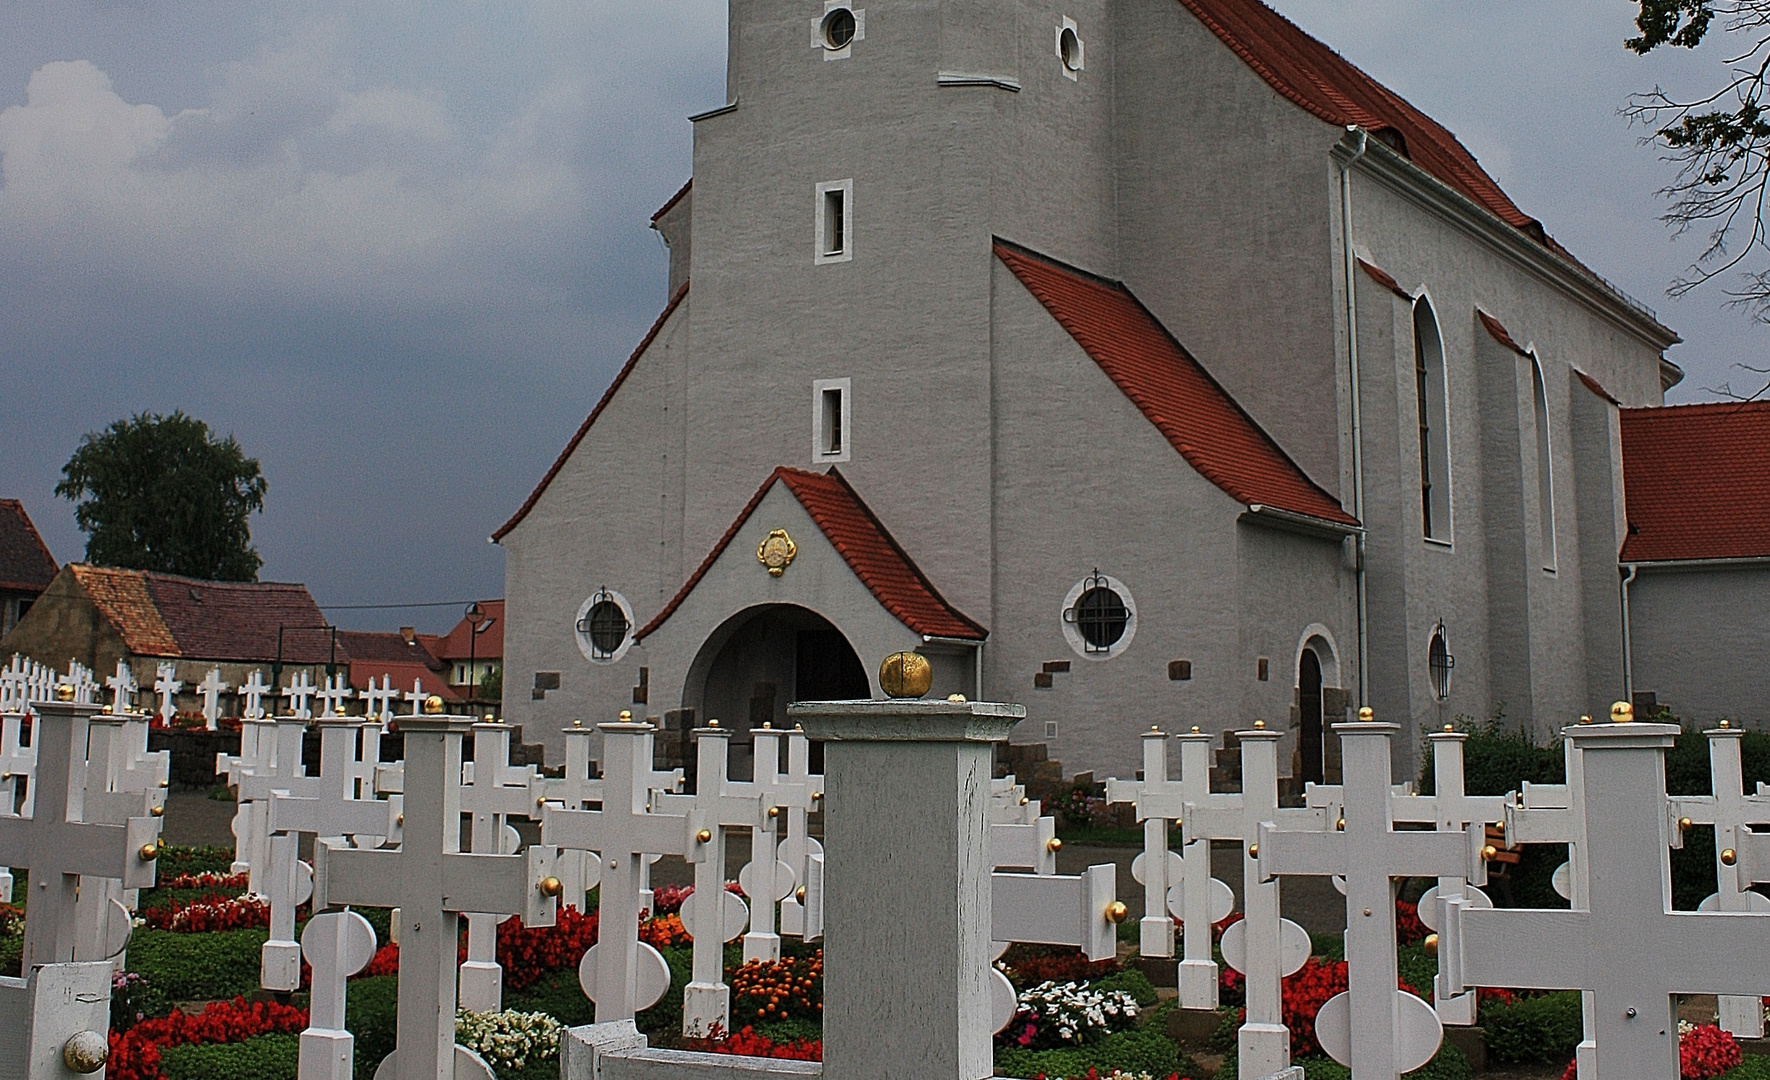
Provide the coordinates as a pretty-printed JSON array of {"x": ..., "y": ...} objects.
[
  {"x": 167, "y": 688},
  {"x": 335, "y": 694},
  {"x": 17, "y": 762},
  {"x": 123, "y": 687},
  {"x": 211, "y": 689},
  {"x": 1450, "y": 809},
  {"x": 12, "y": 685},
  {"x": 492, "y": 793},
  {"x": 60, "y": 845},
  {"x": 1731, "y": 812},
  {"x": 337, "y": 945},
  {"x": 299, "y": 693},
  {"x": 575, "y": 789},
  {"x": 416, "y": 697},
  {"x": 283, "y": 772},
  {"x": 1627, "y": 945},
  {"x": 623, "y": 833},
  {"x": 799, "y": 848},
  {"x": 431, "y": 881},
  {"x": 257, "y": 743},
  {"x": 1380, "y": 1031},
  {"x": 328, "y": 809},
  {"x": 123, "y": 781},
  {"x": 254, "y": 690},
  {"x": 712, "y": 915},
  {"x": 1051, "y": 909},
  {"x": 378, "y": 700},
  {"x": 1158, "y": 802},
  {"x": 765, "y": 879}
]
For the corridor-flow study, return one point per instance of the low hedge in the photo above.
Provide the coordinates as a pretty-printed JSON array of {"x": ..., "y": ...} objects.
[
  {"x": 1543, "y": 1029},
  {"x": 1142, "y": 1049},
  {"x": 266, "y": 1057},
  {"x": 198, "y": 967},
  {"x": 557, "y": 994},
  {"x": 371, "y": 1013}
]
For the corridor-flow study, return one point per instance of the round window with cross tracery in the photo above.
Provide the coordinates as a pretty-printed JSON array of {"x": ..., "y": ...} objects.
[
  {"x": 604, "y": 626},
  {"x": 1099, "y": 618}
]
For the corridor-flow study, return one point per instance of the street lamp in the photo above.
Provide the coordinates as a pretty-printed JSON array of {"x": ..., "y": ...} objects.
[{"x": 478, "y": 622}]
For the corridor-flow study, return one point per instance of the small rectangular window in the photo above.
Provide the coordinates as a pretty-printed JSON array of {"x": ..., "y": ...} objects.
[
  {"x": 832, "y": 410},
  {"x": 835, "y": 222}
]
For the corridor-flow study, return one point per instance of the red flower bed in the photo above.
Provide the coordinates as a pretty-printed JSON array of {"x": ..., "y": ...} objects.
[
  {"x": 208, "y": 879},
  {"x": 210, "y": 914},
  {"x": 749, "y": 1044},
  {"x": 663, "y": 931},
  {"x": 529, "y": 953},
  {"x": 135, "y": 1054},
  {"x": 1096, "y": 1074},
  {"x": 1409, "y": 930},
  {"x": 1706, "y": 1052}
]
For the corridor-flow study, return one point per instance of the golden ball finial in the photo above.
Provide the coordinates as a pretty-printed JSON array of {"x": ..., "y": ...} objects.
[
  {"x": 1726, "y": 723},
  {"x": 64, "y": 692},
  {"x": 1117, "y": 912},
  {"x": 1365, "y": 715},
  {"x": 1195, "y": 729},
  {"x": 1450, "y": 727},
  {"x": 551, "y": 886},
  {"x": 490, "y": 718},
  {"x": 433, "y": 705},
  {"x": 1259, "y": 725},
  {"x": 713, "y": 722},
  {"x": 626, "y": 716},
  {"x": 956, "y": 699},
  {"x": 1430, "y": 944},
  {"x": 577, "y": 723},
  {"x": 1585, "y": 719},
  {"x": 1622, "y": 713},
  {"x": 906, "y": 675},
  {"x": 1729, "y": 857}
]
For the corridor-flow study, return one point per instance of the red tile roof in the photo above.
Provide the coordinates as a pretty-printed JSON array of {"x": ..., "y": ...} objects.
[
  {"x": 490, "y": 643},
  {"x": 584, "y": 428},
  {"x": 864, "y": 544},
  {"x": 402, "y": 674},
  {"x": 1200, "y": 420},
  {"x": 370, "y": 647},
  {"x": 25, "y": 563},
  {"x": 1327, "y": 85},
  {"x": 167, "y": 615},
  {"x": 1696, "y": 480},
  {"x": 1500, "y": 333},
  {"x": 674, "y": 199}
]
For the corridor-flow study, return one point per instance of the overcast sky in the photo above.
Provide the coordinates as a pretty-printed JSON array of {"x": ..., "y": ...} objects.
[{"x": 399, "y": 248}]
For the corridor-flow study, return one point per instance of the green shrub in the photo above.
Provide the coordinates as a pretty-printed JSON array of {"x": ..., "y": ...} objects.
[
  {"x": 198, "y": 967},
  {"x": 1448, "y": 1064},
  {"x": 1753, "y": 1067},
  {"x": 665, "y": 1018},
  {"x": 791, "y": 1029},
  {"x": 12, "y": 951},
  {"x": 179, "y": 859},
  {"x": 1142, "y": 1049},
  {"x": 265, "y": 1057},
  {"x": 1417, "y": 969},
  {"x": 1542, "y": 1029},
  {"x": 558, "y": 995},
  {"x": 1132, "y": 982},
  {"x": 371, "y": 1013}
]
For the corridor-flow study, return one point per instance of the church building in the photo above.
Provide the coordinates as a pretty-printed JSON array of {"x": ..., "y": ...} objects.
[{"x": 1141, "y": 361}]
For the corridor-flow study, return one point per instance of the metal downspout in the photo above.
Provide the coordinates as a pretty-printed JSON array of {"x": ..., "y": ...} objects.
[
  {"x": 1359, "y": 138},
  {"x": 1628, "y": 640}
]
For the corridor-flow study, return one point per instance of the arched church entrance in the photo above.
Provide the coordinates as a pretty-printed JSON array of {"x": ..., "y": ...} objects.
[
  {"x": 1309, "y": 717},
  {"x": 763, "y": 659}
]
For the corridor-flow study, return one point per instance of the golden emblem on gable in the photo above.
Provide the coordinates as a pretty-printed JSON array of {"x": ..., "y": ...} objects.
[{"x": 777, "y": 552}]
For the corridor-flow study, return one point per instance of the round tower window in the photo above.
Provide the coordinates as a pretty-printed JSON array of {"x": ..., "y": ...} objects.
[
  {"x": 1099, "y": 617},
  {"x": 604, "y": 626},
  {"x": 1069, "y": 48},
  {"x": 838, "y": 28}
]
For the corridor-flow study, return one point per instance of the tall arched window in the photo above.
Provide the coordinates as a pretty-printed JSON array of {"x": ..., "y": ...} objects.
[
  {"x": 1434, "y": 421},
  {"x": 1545, "y": 473}
]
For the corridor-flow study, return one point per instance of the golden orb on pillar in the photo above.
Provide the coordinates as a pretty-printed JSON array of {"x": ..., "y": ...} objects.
[
  {"x": 433, "y": 705},
  {"x": 1622, "y": 713},
  {"x": 906, "y": 675}
]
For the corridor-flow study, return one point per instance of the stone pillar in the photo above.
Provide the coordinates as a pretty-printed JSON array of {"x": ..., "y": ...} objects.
[{"x": 906, "y": 901}]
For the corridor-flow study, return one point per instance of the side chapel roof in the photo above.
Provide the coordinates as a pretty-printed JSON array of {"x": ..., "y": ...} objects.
[
  {"x": 1211, "y": 431},
  {"x": 1696, "y": 481},
  {"x": 864, "y": 544},
  {"x": 25, "y": 562}
]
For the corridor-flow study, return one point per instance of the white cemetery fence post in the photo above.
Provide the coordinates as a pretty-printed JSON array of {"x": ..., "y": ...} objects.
[
  {"x": 1158, "y": 800},
  {"x": 906, "y": 957},
  {"x": 621, "y": 973},
  {"x": 765, "y": 879},
  {"x": 337, "y": 945},
  {"x": 432, "y": 882},
  {"x": 285, "y": 772},
  {"x": 1731, "y": 812},
  {"x": 1082, "y": 910},
  {"x": 1204, "y": 900},
  {"x": 1625, "y": 944},
  {"x": 327, "y": 807},
  {"x": 490, "y": 799},
  {"x": 1377, "y": 1029},
  {"x": 711, "y": 915}
]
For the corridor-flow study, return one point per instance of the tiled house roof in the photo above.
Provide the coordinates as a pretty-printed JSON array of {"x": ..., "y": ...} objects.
[
  {"x": 1197, "y": 416},
  {"x": 25, "y": 563},
  {"x": 1696, "y": 481},
  {"x": 864, "y": 544},
  {"x": 373, "y": 647},
  {"x": 172, "y": 616},
  {"x": 489, "y": 644}
]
